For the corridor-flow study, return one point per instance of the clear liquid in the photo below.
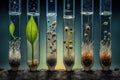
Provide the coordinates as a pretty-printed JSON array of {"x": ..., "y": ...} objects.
[
  {"x": 87, "y": 27},
  {"x": 51, "y": 39},
  {"x": 15, "y": 18},
  {"x": 68, "y": 42},
  {"x": 105, "y": 28},
  {"x": 34, "y": 65},
  {"x": 14, "y": 5},
  {"x": 33, "y": 6}
]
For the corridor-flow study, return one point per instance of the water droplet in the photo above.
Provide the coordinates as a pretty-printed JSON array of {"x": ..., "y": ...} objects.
[{"x": 14, "y": 2}]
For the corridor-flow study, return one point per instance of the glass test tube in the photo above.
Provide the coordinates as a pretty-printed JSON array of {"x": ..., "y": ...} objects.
[
  {"x": 33, "y": 53},
  {"x": 14, "y": 31},
  {"x": 105, "y": 33},
  {"x": 87, "y": 7},
  {"x": 68, "y": 34},
  {"x": 51, "y": 35}
]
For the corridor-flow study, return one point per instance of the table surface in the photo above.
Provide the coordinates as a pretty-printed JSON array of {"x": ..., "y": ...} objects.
[{"x": 76, "y": 74}]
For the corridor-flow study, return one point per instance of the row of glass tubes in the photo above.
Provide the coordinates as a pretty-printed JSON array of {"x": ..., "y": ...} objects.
[{"x": 87, "y": 11}]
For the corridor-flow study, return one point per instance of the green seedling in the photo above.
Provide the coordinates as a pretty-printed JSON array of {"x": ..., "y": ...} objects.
[
  {"x": 11, "y": 31},
  {"x": 31, "y": 34}
]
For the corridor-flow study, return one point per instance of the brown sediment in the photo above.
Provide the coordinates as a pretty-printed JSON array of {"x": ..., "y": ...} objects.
[
  {"x": 105, "y": 57},
  {"x": 14, "y": 63},
  {"x": 87, "y": 58},
  {"x": 33, "y": 65},
  {"x": 87, "y": 55},
  {"x": 69, "y": 61},
  {"x": 51, "y": 60}
]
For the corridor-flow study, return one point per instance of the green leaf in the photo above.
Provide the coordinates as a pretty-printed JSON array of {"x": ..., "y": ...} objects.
[
  {"x": 12, "y": 30},
  {"x": 31, "y": 30}
]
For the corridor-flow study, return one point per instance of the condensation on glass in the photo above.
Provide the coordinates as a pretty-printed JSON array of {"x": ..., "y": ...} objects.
[
  {"x": 14, "y": 33},
  {"x": 33, "y": 53},
  {"x": 51, "y": 34},
  {"x": 105, "y": 34},
  {"x": 68, "y": 34},
  {"x": 87, "y": 10}
]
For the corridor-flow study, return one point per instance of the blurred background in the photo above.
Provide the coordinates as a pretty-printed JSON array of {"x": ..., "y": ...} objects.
[{"x": 4, "y": 35}]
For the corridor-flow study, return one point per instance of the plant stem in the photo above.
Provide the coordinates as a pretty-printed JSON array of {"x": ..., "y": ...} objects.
[{"x": 32, "y": 54}]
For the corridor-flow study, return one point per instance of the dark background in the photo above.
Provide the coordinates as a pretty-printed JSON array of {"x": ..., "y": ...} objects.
[{"x": 4, "y": 23}]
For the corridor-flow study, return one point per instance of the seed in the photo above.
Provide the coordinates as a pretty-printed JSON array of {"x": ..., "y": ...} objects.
[
  {"x": 48, "y": 38},
  {"x": 70, "y": 41},
  {"x": 54, "y": 40},
  {"x": 105, "y": 32},
  {"x": 105, "y": 23},
  {"x": 54, "y": 50},
  {"x": 85, "y": 35},
  {"x": 54, "y": 23},
  {"x": 50, "y": 45},
  {"x": 87, "y": 27},
  {"x": 64, "y": 42},
  {"x": 48, "y": 21},
  {"x": 109, "y": 34},
  {"x": 48, "y": 32},
  {"x": 66, "y": 28},
  {"x": 53, "y": 34},
  {"x": 70, "y": 47}
]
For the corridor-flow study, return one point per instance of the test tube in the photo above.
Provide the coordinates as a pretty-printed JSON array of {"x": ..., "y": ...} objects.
[
  {"x": 51, "y": 34},
  {"x": 32, "y": 34},
  {"x": 14, "y": 32},
  {"x": 87, "y": 10},
  {"x": 68, "y": 34},
  {"x": 105, "y": 34}
]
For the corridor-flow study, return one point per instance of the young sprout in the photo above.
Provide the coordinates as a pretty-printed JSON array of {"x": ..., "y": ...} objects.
[
  {"x": 12, "y": 30},
  {"x": 31, "y": 34}
]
